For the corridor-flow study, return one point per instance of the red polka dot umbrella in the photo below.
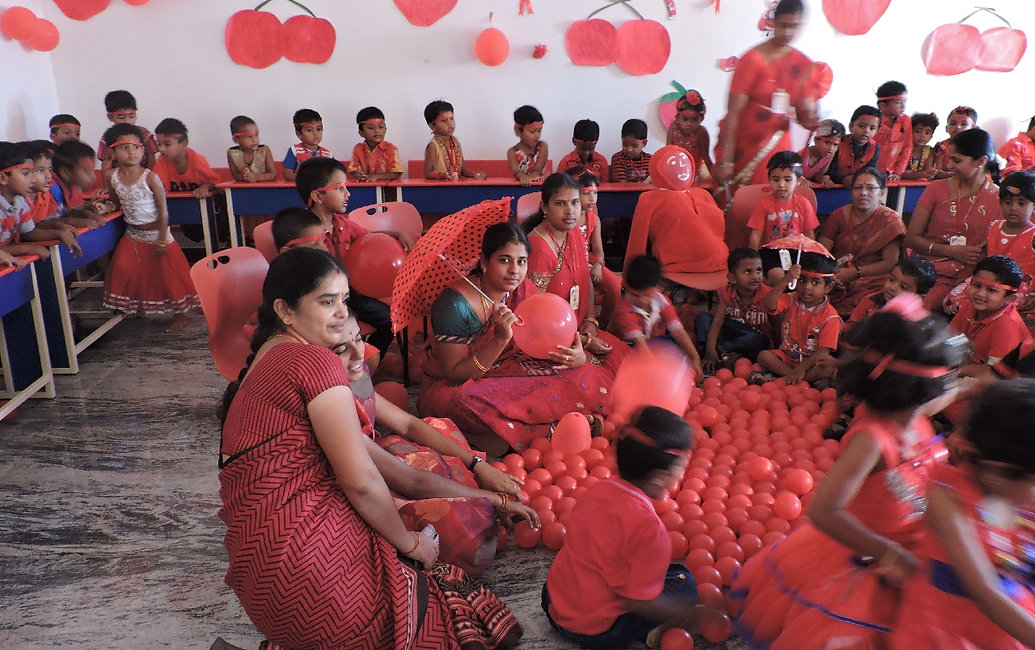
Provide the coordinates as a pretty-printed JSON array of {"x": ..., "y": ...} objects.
[{"x": 450, "y": 246}]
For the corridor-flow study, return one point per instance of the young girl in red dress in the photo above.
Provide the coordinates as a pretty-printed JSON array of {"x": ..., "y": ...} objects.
[
  {"x": 974, "y": 586},
  {"x": 835, "y": 576},
  {"x": 686, "y": 131},
  {"x": 612, "y": 583},
  {"x": 148, "y": 273},
  {"x": 605, "y": 281}
]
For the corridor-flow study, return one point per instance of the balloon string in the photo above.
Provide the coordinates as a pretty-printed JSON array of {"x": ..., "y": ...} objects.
[{"x": 449, "y": 262}]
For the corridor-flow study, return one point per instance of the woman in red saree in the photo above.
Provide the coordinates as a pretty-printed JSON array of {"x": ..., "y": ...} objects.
[
  {"x": 500, "y": 397},
  {"x": 950, "y": 223},
  {"x": 866, "y": 238},
  {"x": 318, "y": 554},
  {"x": 768, "y": 80}
]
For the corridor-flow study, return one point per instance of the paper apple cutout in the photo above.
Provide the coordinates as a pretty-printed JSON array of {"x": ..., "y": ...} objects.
[
  {"x": 1001, "y": 49},
  {"x": 307, "y": 39},
  {"x": 951, "y": 49},
  {"x": 667, "y": 103},
  {"x": 591, "y": 42},
  {"x": 423, "y": 13},
  {"x": 642, "y": 47},
  {"x": 492, "y": 47},
  {"x": 46, "y": 37},
  {"x": 82, "y": 9},
  {"x": 254, "y": 38},
  {"x": 18, "y": 23},
  {"x": 854, "y": 17}
]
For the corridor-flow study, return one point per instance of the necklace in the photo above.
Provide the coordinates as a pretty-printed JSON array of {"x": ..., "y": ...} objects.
[
  {"x": 558, "y": 245},
  {"x": 486, "y": 303},
  {"x": 953, "y": 204},
  {"x": 291, "y": 335}
]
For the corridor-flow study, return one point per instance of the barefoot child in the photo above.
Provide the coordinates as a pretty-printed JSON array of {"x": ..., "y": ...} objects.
[
  {"x": 148, "y": 273},
  {"x": 612, "y": 583}
]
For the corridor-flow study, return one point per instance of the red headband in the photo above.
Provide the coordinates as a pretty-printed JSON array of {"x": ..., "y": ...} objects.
[
  {"x": 172, "y": 135},
  {"x": 891, "y": 97},
  {"x": 444, "y": 116},
  {"x": 125, "y": 143},
  {"x": 994, "y": 285},
  {"x": 126, "y": 113},
  {"x": 244, "y": 134},
  {"x": 530, "y": 124},
  {"x": 326, "y": 188},
  {"x": 637, "y": 434},
  {"x": 64, "y": 124},
  {"x": 306, "y": 240},
  {"x": 827, "y": 138},
  {"x": 14, "y": 167},
  {"x": 814, "y": 274},
  {"x": 887, "y": 361},
  {"x": 373, "y": 120},
  {"x": 586, "y": 141},
  {"x": 317, "y": 122}
]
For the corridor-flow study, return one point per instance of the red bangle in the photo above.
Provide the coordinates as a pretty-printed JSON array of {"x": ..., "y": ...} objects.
[{"x": 416, "y": 543}]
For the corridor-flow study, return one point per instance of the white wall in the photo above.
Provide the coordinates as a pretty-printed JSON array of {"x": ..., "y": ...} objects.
[{"x": 170, "y": 54}]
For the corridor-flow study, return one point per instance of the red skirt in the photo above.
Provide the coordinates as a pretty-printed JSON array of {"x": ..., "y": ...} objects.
[{"x": 140, "y": 281}]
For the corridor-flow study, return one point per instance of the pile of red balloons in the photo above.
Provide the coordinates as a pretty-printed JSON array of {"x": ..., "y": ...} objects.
[
  {"x": 23, "y": 25},
  {"x": 758, "y": 452}
]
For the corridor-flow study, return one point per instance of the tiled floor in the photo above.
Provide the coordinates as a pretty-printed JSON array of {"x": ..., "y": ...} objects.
[{"x": 109, "y": 535}]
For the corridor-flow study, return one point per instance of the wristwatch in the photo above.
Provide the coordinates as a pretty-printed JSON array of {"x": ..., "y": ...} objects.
[{"x": 474, "y": 463}]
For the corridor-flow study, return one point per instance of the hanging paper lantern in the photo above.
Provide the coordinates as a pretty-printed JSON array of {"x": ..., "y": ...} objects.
[
  {"x": 46, "y": 37},
  {"x": 492, "y": 47},
  {"x": 18, "y": 23}
]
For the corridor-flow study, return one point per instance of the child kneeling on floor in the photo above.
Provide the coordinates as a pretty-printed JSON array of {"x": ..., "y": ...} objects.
[{"x": 612, "y": 583}]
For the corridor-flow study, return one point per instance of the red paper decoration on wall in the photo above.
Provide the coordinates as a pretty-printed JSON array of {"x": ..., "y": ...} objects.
[
  {"x": 23, "y": 25},
  {"x": 854, "y": 17},
  {"x": 956, "y": 48},
  {"x": 639, "y": 46},
  {"x": 257, "y": 39},
  {"x": 423, "y": 13},
  {"x": 82, "y": 9},
  {"x": 492, "y": 47}
]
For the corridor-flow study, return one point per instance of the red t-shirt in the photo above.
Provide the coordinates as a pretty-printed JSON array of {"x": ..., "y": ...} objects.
[
  {"x": 616, "y": 548},
  {"x": 805, "y": 329},
  {"x": 342, "y": 234},
  {"x": 629, "y": 322},
  {"x": 598, "y": 165},
  {"x": 627, "y": 170},
  {"x": 992, "y": 337},
  {"x": 198, "y": 173},
  {"x": 755, "y": 315},
  {"x": 865, "y": 308},
  {"x": 778, "y": 219}
]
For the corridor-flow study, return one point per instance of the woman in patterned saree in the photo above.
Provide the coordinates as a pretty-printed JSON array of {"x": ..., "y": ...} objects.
[
  {"x": 498, "y": 396},
  {"x": 318, "y": 554},
  {"x": 768, "y": 80}
]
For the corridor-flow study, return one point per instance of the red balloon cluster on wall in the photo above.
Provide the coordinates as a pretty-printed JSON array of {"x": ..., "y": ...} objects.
[
  {"x": 258, "y": 39},
  {"x": 21, "y": 24}
]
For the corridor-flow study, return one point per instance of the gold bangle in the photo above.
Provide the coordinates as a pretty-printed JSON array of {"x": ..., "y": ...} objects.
[
  {"x": 930, "y": 248},
  {"x": 504, "y": 501},
  {"x": 478, "y": 364}
]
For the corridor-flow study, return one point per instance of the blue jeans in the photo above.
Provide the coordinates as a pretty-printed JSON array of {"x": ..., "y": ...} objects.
[
  {"x": 734, "y": 336},
  {"x": 630, "y": 627}
]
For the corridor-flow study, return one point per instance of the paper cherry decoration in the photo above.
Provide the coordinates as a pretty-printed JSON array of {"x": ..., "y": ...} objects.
[
  {"x": 82, "y": 9},
  {"x": 424, "y": 13},
  {"x": 257, "y": 39},
  {"x": 492, "y": 47},
  {"x": 854, "y": 17},
  {"x": 639, "y": 47},
  {"x": 46, "y": 37},
  {"x": 956, "y": 48}
]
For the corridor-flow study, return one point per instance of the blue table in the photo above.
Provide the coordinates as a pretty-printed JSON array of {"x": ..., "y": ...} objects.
[
  {"x": 185, "y": 209},
  {"x": 24, "y": 356},
  {"x": 273, "y": 196},
  {"x": 57, "y": 313}
]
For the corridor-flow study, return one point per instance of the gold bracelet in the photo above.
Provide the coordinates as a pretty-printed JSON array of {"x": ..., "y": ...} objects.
[
  {"x": 478, "y": 364},
  {"x": 930, "y": 248},
  {"x": 504, "y": 501}
]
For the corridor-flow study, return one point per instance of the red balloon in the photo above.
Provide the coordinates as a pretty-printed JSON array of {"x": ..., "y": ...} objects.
[
  {"x": 798, "y": 481},
  {"x": 672, "y": 168},
  {"x": 395, "y": 393},
  {"x": 727, "y": 567},
  {"x": 572, "y": 434},
  {"x": 787, "y": 506},
  {"x": 710, "y": 595},
  {"x": 525, "y": 536},
  {"x": 46, "y": 37},
  {"x": 676, "y": 638},
  {"x": 18, "y": 23},
  {"x": 546, "y": 321},
  {"x": 373, "y": 261},
  {"x": 553, "y": 535},
  {"x": 760, "y": 468},
  {"x": 679, "y": 545},
  {"x": 492, "y": 47},
  {"x": 716, "y": 626},
  {"x": 661, "y": 376}
]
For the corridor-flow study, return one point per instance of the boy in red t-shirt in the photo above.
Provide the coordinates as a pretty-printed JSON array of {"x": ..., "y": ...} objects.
[
  {"x": 645, "y": 313},
  {"x": 374, "y": 159},
  {"x": 585, "y": 136},
  {"x": 181, "y": 168},
  {"x": 739, "y": 323},
  {"x": 611, "y": 583},
  {"x": 631, "y": 164},
  {"x": 811, "y": 326},
  {"x": 990, "y": 319},
  {"x": 782, "y": 213},
  {"x": 912, "y": 274}
]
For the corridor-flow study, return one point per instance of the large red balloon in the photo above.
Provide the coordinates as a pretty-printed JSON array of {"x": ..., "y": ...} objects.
[
  {"x": 658, "y": 377},
  {"x": 492, "y": 47},
  {"x": 547, "y": 320},
  {"x": 672, "y": 168},
  {"x": 572, "y": 434},
  {"x": 18, "y": 23},
  {"x": 373, "y": 261},
  {"x": 46, "y": 37}
]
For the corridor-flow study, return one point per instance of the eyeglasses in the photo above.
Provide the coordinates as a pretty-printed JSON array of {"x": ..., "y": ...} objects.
[{"x": 866, "y": 188}]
